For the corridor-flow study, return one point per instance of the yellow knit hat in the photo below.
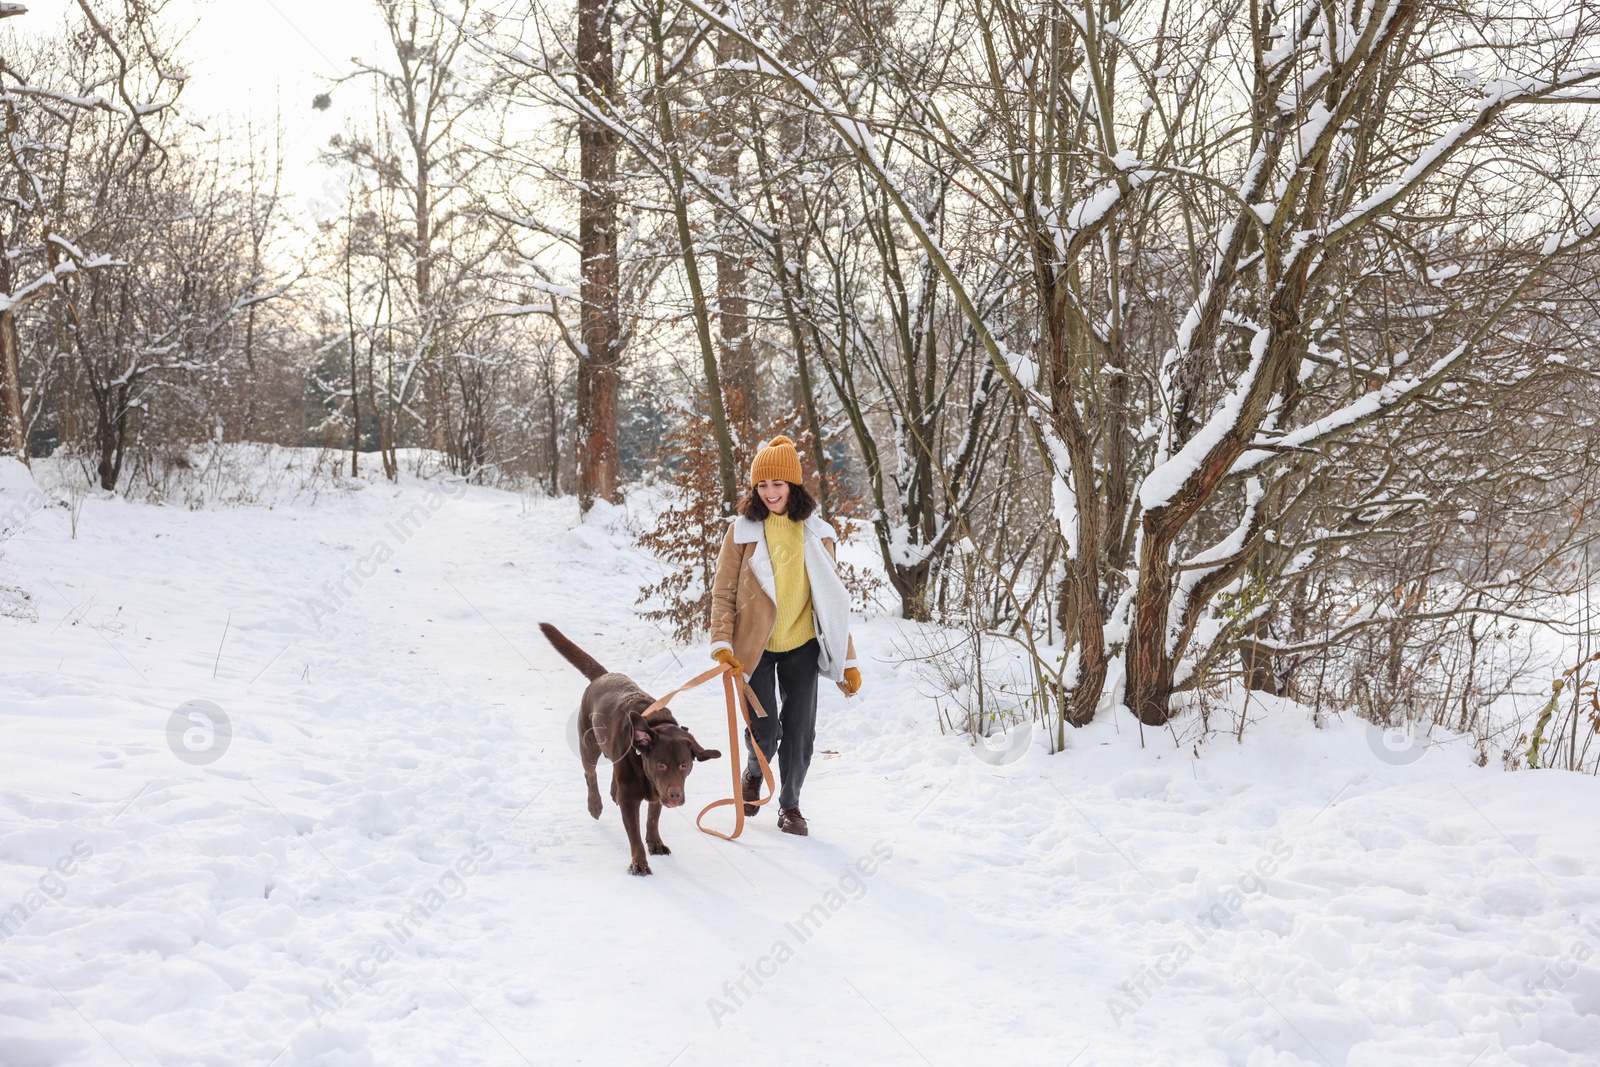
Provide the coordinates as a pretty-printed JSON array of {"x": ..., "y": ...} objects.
[{"x": 778, "y": 460}]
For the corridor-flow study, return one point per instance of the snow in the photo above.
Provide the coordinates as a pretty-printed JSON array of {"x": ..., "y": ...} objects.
[
  {"x": 1087, "y": 214},
  {"x": 902, "y": 550},
  {"x": 1496, "y": 94},
  {"x": 1309, "y": 132},
  {"x": 1368, "y": 405},
  {"x": 71, "y": 249},
  {"x": 1168, "y": 478},
  {"x": 390, "y": 862},
  {"x": 1561, "y": 242},
  {"x": 87, "y": 102},
  {"x": 1064, "y": 506}
]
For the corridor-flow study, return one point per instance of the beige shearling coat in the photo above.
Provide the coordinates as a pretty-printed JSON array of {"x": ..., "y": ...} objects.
[{"x": 744, "y": 606}]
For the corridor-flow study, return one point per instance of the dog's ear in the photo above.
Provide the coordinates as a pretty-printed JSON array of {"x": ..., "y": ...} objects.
[
  {"x": 643, "y": 736},
  {"x": 702, "y": 754}
]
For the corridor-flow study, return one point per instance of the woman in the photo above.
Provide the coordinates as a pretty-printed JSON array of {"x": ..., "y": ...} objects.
[{"x": 777, "y": 602}]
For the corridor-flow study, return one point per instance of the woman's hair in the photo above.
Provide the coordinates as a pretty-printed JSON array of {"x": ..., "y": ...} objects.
[{"x": 800, "y": 507}]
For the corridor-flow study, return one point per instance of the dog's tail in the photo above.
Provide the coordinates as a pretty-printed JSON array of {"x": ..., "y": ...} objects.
[{"x": 574, "y": 655}]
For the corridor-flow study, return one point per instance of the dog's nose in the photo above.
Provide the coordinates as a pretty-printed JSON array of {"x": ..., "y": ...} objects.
[{"x": 674, "y": 797}]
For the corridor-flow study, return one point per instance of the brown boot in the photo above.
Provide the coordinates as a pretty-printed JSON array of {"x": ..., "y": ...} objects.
[
  {"x": 752, "y": 793},
  {"x": 790, "y": 821}
]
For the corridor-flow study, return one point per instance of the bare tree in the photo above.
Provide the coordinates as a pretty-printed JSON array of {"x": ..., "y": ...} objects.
[
  {"x": 430, "y": 99},
  {"x": 48, "y": 92},
  {"x": 1183, "y": 233}
]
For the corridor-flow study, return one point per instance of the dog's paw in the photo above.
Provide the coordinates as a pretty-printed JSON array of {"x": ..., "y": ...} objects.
[
  {"x": 639, "y": 867},
  {"x": 594, "y": 807},
  {"x": 659, "y": 848}
]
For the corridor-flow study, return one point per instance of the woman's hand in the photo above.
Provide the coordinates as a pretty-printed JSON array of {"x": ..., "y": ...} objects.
[
  {"x": 725, "y": 655},
  {"x": 852, "y": 681}
]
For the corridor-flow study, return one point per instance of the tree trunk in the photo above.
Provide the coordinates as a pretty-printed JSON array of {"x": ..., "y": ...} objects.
[
  {"x": 355, "y": 413},
  {"x": 111, "y": 433},
  {"x": 350, "y": 326},
  {"x": 1149, "y": 663},
  {"x": 600, "y": 324},
  {"x": 787, "y": 294},
  {"x": 386, "y": 424},
  {"x": 1081, "y": 613},
  {"x": 739, "y": 376},
  {"x": 1256, "y": 660},
  {"x": 808, "y": 403},
  {"x": 13, "y": 430},
  {"x": 912, "y": 585},
  {"x": 435, "y": 386},
  {"x": 555, "y": 432},
  {"x": 691, "y": 270}
]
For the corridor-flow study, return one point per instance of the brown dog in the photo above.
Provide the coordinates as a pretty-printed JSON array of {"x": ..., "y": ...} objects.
[{"x": 650, "y": 755}]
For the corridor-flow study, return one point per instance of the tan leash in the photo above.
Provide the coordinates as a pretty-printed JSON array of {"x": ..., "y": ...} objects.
[{"x": 739, "y": 702}]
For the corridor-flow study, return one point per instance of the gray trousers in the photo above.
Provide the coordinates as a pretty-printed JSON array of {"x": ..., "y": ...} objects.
[{"x": 787, "y": 734}]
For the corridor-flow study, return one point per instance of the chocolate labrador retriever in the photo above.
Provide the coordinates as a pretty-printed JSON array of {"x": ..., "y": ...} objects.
[{"x": 650, "y": 755}]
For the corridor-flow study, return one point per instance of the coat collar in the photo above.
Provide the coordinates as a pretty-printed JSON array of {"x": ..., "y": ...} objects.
[
  {"x": 748, "y": 531},
  {"x": 822, "y": 528}
]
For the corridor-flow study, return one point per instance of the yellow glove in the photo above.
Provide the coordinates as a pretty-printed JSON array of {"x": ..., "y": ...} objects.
[
  {"x": 852, "y": 681},
  {"x": 725, "y": 655}
]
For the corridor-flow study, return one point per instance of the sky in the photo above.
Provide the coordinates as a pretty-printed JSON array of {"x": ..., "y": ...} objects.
[{"x": 261, "y": 58}]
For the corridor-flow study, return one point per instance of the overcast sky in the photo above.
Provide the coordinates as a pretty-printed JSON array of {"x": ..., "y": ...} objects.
[{"x": 260, "y": 57}]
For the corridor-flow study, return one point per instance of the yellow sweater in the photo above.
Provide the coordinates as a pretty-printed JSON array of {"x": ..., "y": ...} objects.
[{"x": 786, "y": 543}]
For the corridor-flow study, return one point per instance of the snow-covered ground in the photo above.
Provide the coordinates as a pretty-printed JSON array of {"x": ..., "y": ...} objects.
[{"x": 390, "y": 862}]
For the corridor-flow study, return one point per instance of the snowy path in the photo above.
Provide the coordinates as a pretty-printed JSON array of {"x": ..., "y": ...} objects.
[{"x": 391, "y": 864}]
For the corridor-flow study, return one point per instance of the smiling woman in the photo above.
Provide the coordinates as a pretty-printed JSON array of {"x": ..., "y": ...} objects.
[{"x": 777, "y": 602}]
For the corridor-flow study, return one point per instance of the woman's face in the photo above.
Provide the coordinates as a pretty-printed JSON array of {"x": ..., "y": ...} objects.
[{"x": 774, "y": 493}]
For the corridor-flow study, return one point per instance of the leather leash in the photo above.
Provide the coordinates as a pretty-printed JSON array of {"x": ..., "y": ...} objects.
[{"x": 739, "y": 702}]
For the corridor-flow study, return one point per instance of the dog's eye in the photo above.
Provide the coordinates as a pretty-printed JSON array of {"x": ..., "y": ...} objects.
[
  {"x": 661, "y": 766},
  {"x": 683, "y": 766}
]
